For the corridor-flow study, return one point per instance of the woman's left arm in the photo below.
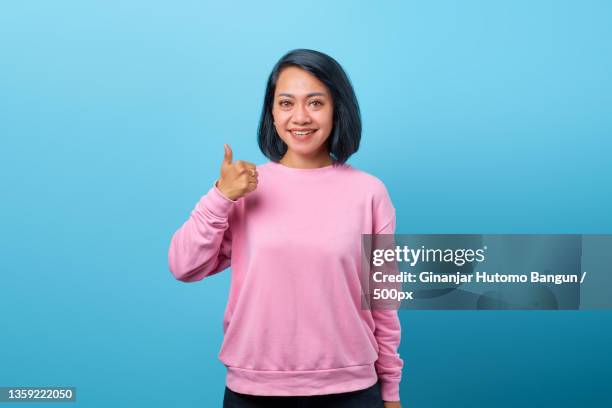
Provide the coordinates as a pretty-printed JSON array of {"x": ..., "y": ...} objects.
[
  {"x": 388, "y": 330},
  {"x": 389, "y": 364}
]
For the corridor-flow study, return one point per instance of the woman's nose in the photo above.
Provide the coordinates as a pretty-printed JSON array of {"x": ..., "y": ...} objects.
[{"x": 301, "y": 115}]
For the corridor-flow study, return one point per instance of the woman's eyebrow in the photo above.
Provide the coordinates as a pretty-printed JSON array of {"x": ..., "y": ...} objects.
[{"x": 307, "y": 95}]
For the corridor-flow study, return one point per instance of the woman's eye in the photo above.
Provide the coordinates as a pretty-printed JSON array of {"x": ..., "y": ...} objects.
[{"x": 286, "y": 104}]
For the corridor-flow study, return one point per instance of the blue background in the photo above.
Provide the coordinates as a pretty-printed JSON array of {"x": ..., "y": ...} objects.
[{"x": 479, "y": 116}]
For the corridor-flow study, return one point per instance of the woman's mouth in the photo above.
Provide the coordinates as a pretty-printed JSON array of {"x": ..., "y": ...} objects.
[{"x": 302, "y": 135}]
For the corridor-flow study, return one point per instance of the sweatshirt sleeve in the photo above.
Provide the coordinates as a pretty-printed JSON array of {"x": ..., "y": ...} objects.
[
  {"x": 202, "y": 246},
  {"x": 388, "y": 331}
]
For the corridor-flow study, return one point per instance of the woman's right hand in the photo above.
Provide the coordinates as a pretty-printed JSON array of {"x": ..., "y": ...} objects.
[{"x": 238, "y": 178}]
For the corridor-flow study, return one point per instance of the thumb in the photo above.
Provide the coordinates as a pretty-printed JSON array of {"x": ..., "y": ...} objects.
[{"x": 228, "y": 154}]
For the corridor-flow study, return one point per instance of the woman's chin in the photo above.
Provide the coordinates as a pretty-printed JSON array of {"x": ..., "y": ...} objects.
[{"x": 304, "y": 151}]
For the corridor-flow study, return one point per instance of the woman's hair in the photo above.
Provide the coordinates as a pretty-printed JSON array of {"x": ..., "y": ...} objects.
[{"x": 345, "y": 135}]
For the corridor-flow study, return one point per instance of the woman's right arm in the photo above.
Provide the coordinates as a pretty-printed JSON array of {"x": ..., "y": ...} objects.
[{"x": 202, "y": 246}]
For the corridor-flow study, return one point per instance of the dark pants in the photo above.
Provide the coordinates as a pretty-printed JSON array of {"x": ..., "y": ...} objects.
[{"x": 368, "y": 398}]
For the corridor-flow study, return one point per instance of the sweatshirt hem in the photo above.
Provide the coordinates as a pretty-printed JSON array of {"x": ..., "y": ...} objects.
[{"x": 301, "y": 383}]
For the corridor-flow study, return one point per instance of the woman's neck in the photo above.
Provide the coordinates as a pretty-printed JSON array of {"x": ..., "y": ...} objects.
[{"x": 302, "y": 162}]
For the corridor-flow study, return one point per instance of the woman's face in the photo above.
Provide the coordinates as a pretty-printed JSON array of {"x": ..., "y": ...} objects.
[{"x": 303, "y": 112}]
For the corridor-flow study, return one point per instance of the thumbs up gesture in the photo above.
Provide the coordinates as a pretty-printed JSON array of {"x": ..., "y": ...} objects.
[{"x": 238, "y": 178}]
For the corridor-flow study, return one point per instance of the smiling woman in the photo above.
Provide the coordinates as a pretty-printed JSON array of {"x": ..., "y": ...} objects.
[
  {"x": 294, "y": 331},
  {"x": 310, "y": 112},
  {"x": 303, "y": 117}
]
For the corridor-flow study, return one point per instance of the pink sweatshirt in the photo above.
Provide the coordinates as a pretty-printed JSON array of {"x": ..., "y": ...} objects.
[{"x": 293, "y": 324}]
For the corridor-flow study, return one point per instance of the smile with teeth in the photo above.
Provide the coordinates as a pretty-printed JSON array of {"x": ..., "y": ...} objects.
[{"x": 301, "y": 133}]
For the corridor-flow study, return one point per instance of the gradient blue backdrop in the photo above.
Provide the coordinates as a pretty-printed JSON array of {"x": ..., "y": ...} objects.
[{"x": 480, "y": 117}]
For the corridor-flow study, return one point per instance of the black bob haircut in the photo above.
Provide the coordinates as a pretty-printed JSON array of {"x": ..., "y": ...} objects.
[{"x": 345, "y": 135}]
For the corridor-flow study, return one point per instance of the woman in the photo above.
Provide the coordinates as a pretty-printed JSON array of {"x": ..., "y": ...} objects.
[{"x": 294, "y": 330}]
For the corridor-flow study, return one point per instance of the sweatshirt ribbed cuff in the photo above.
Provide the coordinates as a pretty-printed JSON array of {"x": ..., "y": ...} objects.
[
  {"x": 389, "y": 391},
  {"x": 216, "y": 203}
]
